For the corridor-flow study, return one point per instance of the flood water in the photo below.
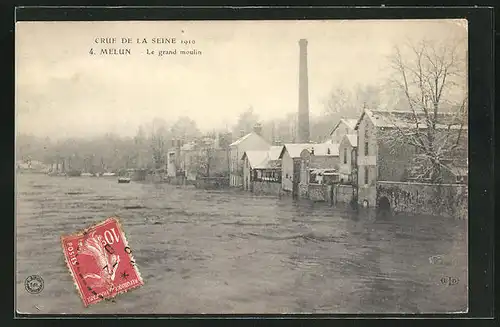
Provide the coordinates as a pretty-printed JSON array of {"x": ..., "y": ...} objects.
[{"x": 230, "y": 252}]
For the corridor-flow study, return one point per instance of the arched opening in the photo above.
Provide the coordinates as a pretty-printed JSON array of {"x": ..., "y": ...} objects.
[{"x": 384, "y": 207}]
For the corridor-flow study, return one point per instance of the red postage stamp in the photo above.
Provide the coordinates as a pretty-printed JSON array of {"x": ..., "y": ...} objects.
[{"x": 101, "y": 262}]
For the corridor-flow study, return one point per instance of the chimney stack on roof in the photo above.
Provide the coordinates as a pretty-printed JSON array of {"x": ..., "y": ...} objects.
[
  {"x": 242, "y": 133},
  {"x": 303, "y": 128},
  {"x": 258, "y": 129}
]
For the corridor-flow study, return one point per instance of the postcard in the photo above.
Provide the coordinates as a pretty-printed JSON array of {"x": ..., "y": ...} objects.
[{"x": 241, "y": 167}]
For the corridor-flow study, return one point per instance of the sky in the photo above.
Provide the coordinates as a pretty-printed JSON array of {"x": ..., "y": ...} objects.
[{"x": 64, "y": 91}]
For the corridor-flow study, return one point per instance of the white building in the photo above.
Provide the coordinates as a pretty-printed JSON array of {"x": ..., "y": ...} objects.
[
  {"x": 248, "y": 142},
  {"x": 343, "y": 127}
]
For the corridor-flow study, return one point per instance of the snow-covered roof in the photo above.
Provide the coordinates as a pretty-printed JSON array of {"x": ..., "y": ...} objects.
[
  {"x": 263, "y": 159},
  {"x": 294, "y": 149},
  {"x": 241, "y": 139},
  {"x": 406, "y": 119},
  {"x": 323, "y": 171},
  {"x": 351, "y": 123},
  {"x": 352, "y": 139},
  {"x": 326, "y": 149},
  {"x": 256, "y": 158},
  {"x": 323, "y": 149},
  {"x": 275, "y": 151}
]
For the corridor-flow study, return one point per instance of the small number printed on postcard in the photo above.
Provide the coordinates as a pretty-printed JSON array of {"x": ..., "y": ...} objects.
[{"x": 101, "y": 262}]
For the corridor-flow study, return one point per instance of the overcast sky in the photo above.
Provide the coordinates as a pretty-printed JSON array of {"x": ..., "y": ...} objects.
[{"x": 64, "y": 91}]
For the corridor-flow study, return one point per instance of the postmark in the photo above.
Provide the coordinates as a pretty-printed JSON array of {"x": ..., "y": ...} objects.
[
  {"x": 34, "y": 284},
  {"x": 101, "y": 262}
]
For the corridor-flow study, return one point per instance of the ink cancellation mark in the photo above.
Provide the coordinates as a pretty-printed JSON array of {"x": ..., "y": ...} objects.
[{"x": 34, "y": 284}]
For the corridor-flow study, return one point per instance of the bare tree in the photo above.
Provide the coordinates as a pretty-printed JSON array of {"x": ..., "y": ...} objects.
[
  {"x": 246, "y": 121},
  {"x": 185, "y": 129},
  {"x": 158, "y": 141},
  {"x": 201, "y": 162},
  {"x": 345, "y": 103},
  {"x": 139, "y": 148},
  {"x": 432, "y": 79}
]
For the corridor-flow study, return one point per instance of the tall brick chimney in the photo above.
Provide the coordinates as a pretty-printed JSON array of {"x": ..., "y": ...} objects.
[{"x": 303, "y": 128}]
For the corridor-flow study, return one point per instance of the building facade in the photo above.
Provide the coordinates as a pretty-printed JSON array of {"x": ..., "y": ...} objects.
[
  {"x": 262, "y": 168},
  {"x": 343, "y": 127},
  {"x": 381, "y": 156},
  {"x": 290, "y": 166},
  {"x": 253, "y": 160},
  {"x": 251, "y": 141},
  {"x": 367, "y": 160},
  {"x": 348, "y": 155},
  {"x": 313, "y": 166}
]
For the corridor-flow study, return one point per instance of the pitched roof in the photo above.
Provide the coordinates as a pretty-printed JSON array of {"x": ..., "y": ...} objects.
[
  {"x": 274, "y": 152},
  {"x": 263, "y": 159},
  {"x": 325, "y": 149},
  {"x": 406, "y": 119},
  {"x": 352, "y": 139},
  {"x": 241, "y": 139},
  {"x": 244, "y": 137},
  {"x": 351, "y": 123},
  {"x": 257, "y": 159},
  {"x": 294, "y": 149}
]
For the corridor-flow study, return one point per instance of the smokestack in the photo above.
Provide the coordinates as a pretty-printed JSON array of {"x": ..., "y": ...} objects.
[
  {"x": 303, "y": 128},
  {"x": 242, "y": 132}
]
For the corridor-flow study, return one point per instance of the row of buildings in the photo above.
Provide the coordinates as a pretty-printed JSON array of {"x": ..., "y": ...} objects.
[
  {"x": 363, "y": 161},
  {"x": 356, "y": 155}
]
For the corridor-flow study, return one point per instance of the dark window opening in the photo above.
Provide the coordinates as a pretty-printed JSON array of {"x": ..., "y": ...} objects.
[
  {"x": 354, "y": 157},
  {"x": 267, "y": 176},
  {"x": 345, "y": 155},
  {"x": 366, "y": 148},
  {"x": 366, "y": 175}
]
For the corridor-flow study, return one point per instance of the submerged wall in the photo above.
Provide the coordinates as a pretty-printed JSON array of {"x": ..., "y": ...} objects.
[
  {"x": 448, "y": 200},
  {"x": 318, "y": 192},
  {"x": 343, "y": 193},
  {"x": 266, "y": 188},
  {"x": 212, "y": 182}
]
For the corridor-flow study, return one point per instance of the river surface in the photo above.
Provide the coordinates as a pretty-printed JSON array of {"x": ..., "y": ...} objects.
[{"x": 204, "y": 251}]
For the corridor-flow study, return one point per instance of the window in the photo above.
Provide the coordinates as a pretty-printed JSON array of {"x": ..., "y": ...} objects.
[
  {"x": 366, "y": 176},
  {"x": 345, "y": 155},
  {"x": 366, "y": 148}
]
